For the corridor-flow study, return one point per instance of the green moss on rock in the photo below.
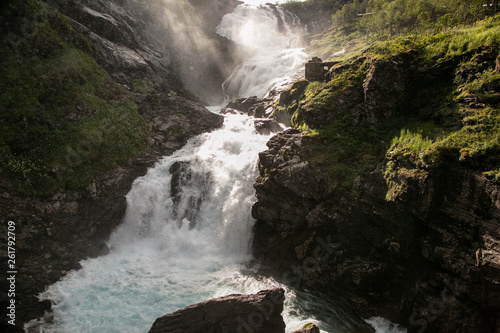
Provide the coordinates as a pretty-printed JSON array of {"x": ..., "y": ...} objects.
[
  {"x": 454, "y": 122},
  {"x": 63, "y": 119}
]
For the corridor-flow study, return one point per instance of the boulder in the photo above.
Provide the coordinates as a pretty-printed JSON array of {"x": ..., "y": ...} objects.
[
  {"x": 256, "y": 313},
  {"x": 253, "y": 106},
  {"x": 267, "y": 126}
]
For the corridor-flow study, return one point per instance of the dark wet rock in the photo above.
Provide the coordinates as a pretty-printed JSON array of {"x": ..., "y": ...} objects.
[
  {"x": 258, "y": 313},
  {"x": 428, "y": 259},
  {"x": 260, "y": 108},
  {"x": 424, "y": 254},
  {"x": 267, "y": 126},
  {"x": 198, "y": 184},
  {"x": 289, "y": 180},
  {"x": 172, "y": 120},
  {"x": 253, "y": 106}
]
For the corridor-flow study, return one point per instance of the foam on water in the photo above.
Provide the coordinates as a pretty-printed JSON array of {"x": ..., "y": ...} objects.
[
  {"x": 160, "y": 262},
  {"x": 382, "y": 325}
]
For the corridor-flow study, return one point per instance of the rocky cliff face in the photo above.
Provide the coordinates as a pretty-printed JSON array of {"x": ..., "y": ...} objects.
[
  {"x": 420, "y": 261},
  {"x": 135, "y": 42},
  {"x": 419, "y": 245},
  {"x": 159, "y": 46},
  {"x": 259, "y": 313}
]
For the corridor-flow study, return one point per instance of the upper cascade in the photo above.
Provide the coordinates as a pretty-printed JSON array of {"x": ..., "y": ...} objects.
[
  {"x": 275, "y": 35},
  {"x": 264, "y": 26}
]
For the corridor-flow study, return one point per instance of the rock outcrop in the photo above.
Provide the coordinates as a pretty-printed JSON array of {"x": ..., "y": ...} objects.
[
  {"x": 157, "y": 46},
  {"x": 420, "y": 261},
  {"x": 289, "y": 181},
  {"x": 258, "y": 313},
  {"x": 260, "y": 108},
  {"x": 419, "y": 245},
  {"x": 253, "y": 106},
  {"x": 267, "y": 126},
  {"x": 127, "y": 39}
]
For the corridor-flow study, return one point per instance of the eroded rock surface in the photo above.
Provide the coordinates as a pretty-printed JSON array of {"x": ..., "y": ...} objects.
[
  {"x": 430, "y": 256},
  {"x": 151, "y": 46},
  {"x": 257, "y": 313}
]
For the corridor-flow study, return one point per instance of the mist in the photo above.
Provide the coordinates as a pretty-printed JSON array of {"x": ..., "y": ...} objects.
[{"x": 202, "y": 58}]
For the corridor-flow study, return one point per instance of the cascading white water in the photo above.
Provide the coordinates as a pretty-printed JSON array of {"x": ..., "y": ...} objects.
[
  {"x": 278, "y": 56},
  {"x": 186, "y": 234},
  {"x": 160, "y": 260},
  {"x": 187, "y": 230}
]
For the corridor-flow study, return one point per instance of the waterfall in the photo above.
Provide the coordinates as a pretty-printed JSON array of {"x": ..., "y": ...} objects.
[
  {"x": 183, "y": 240},
  {"x": 187, "y": 230},
  {"x": 186, "y": 234},
  {"x": 275, "y": 36}
]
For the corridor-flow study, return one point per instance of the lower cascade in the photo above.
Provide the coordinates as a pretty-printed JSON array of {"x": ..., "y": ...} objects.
[
  {"x": 162, "y": 259},
  {"x": 187, "y": 231}
]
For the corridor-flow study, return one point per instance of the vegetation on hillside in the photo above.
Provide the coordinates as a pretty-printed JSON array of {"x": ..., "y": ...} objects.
[
  {"x": 62, "y": 118},
  {"x": 451, "y": 118},
  {"x": 361, "y": 22}
]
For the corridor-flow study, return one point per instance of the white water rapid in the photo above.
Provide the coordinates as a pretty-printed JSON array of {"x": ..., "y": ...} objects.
[{"x": 187, "y": 231}]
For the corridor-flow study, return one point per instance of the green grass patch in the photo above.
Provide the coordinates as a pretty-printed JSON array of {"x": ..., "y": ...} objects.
[
  {"x": 342, "y": 153},
  {"x": 459, "y": 125},
  {"x": 475, "y": 146}
]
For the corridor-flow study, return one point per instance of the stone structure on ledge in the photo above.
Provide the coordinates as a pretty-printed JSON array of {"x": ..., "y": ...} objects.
[{"x": 316, "y": 69}]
